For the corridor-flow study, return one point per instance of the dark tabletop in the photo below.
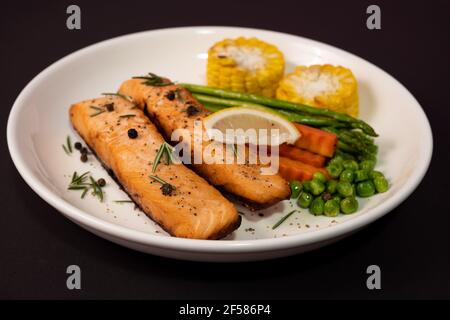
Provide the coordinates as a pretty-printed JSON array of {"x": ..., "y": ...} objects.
[{"x": 411, "y": 244}]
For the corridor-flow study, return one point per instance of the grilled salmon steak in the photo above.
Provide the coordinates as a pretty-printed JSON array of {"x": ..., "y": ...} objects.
[
  {"x": 175, "y": 197},
  {"x": 172, "y": 107}
]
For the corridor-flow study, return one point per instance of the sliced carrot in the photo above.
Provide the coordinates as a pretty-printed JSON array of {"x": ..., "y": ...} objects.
[
  {"x": 304, "y": 156},
  {"x": 295, "y": 170},
  {"x": 316, "y": 140}
]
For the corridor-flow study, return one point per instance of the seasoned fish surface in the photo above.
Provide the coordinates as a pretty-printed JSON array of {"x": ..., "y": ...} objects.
[
  {"x": 173, "y": 107},
  {"x": 193, "y": 209}
]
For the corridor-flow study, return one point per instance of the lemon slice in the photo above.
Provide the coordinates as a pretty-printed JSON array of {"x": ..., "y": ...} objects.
[{"x": 258, "y": 126}]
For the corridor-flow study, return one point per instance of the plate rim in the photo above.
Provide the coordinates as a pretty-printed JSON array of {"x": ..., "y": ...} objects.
[{"x": 219, "y": 246}]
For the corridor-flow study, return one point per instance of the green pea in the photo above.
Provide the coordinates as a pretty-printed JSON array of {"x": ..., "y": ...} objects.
[
  {"x": 331, "y": 186},
  {"x": 319, "y": 176},
  {"x": 307, "y": 186},
  {"x": 350, "y": 164},
  {"x": 349, "y": 205},
  {"x": 335, "y": 169},
  {"x": 337, "y": 159},
  {"x": 381, "y": 184},
  {"x": 375, "y": 174},
  {"x": 331, "y": 208},
  {"x": 367, "y": 165},
  {"x": 304, "y": 200},
  {"x": 317, "y": 187},
  {"x": 346, "y": 175},
  {"x": 365, "y": 189},
  {"x": 316, "y": 207},
  {"x": 344, "y": 188},
  {"x": 296, "y": 188},
  {"x": 361, "y": 175},
  {"x": 337, "y": 198}
]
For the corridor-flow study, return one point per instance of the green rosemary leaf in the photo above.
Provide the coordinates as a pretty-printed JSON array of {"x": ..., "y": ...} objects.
[
  {"x": 123, "y": 201},
  {"x": 69, "y": 144},
  {"x": 276, "y": 225},
  {"x": 84, "y": 193},
  {"x": 65, "y": 150},
  {"x": 76, "y": 188},
  {"x": 127, "y": 116},
  {"x": 158, "y": 179},
  {"x": 125, "y": 97}
]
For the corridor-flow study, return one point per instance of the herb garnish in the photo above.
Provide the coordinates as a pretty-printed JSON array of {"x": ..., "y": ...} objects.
[
  {"x": 165, "y": 149},
  {"x": 154, "y": 80},
  {"x": 166, "y": 188},
  {"x": 123, "y": 96},
  {"x": 123, "y": 201},
  {"x": 127, "y": 116},
  {"x": 179, "y": 96},
  {"x": 276, "y": 225},
  {"x": 81, "y": 183},
  {"x": 98, "y": 109},
  {"x": 68, "y": 146}
]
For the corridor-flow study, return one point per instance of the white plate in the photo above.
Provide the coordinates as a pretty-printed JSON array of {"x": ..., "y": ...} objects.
[{"x": 38, "y": 125}]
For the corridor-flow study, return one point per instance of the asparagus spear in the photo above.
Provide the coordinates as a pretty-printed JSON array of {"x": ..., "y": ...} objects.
[
  {"x": 280, "y": 104},
  {"x": 316, "y": 121}
]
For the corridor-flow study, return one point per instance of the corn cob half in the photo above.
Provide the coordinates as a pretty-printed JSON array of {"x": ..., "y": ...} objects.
[
  {"x": 246, "y": 65},
  {"x": 323, "y": 86}
]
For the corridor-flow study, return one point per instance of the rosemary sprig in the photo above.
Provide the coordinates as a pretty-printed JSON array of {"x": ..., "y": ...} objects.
[
  {"x": 123, "y": 201},
  {"x": 81, "y": 183},
  {"x": 153, "y": 80},
  {"x": 123, "y": 96},
  {"x": 68, "y": 146},
  {"x": 157, "y": 179},
  {"x": 276, "y": 225},
  {"x": 166, "y": 149},
  {"x": 99, "y": 111},
  {"x": 127, "y": 116},
  {"x": 97, "y": 190}
]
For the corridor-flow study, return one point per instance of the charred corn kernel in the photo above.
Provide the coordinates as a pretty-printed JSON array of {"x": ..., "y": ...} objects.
[
  {"x": 323, "y": 86},
  {"x": 245, "y": 64}
]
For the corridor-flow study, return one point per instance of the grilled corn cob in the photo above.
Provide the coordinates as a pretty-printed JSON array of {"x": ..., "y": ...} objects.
[
  {"x": 323, "y": 86},
  {"x": 246, "y": 65}
]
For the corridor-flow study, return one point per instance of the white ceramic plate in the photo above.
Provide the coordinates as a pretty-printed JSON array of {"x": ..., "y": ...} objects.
[{"x": 38, "y": 125}]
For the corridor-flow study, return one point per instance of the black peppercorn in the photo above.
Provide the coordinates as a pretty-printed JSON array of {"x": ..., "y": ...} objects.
[
  {"x": 170, "y": 95},
  {"x": 84, "y": 157},
  {"x": 78, "y": 145},
  {"x": 167, "y": 189},
  {"x": 132, "y": 133},
  {"x": 191, "y": 110},
  {"x": 101, "y": 182},
  {"x": 84, "y": 150},
  {"x": 109, "y": 107}
]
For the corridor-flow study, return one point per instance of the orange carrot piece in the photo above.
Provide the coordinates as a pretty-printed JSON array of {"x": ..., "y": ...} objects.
[
  {"x": 304, "y": 156},
  {"x": 316, "y": 140},
  {"x": 295, "y": 170}
]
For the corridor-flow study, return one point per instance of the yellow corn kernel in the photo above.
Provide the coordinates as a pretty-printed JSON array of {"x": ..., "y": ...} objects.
[
  {"x": 323, "y": 86},
  {"x": 245, "y": 64}
]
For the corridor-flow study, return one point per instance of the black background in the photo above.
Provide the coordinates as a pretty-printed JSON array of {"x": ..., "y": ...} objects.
[{"x": 411, "y": 244}]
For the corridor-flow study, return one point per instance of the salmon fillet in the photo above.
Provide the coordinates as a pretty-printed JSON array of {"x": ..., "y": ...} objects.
[
  {"x": 172, "y": 107},
  {"x": 193, "y": 209}
]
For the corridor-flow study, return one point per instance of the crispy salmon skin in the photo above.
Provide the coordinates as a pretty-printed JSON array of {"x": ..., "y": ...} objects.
[
  {"x": 192, "y": 209},
  {"x": 173, "y": 107}
]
